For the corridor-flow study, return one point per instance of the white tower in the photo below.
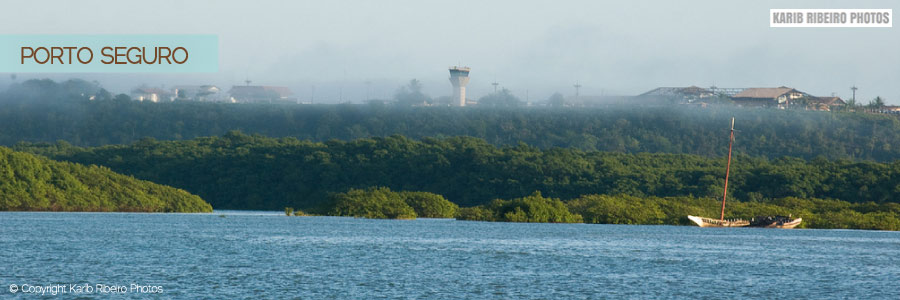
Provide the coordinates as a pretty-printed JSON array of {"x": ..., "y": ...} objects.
[{"x": 459, "y": 77}]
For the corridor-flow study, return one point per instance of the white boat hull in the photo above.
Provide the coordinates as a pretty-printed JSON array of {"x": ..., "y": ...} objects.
[{"x": 709, "y": 222}]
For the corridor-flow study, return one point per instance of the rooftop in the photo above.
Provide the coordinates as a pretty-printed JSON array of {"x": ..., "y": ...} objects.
[
  {"x": 768, "y": 93},
  {"x": 670, "y": 91}
]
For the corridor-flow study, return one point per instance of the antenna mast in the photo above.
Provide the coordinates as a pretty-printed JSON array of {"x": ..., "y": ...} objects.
[{"x": 727, "y": 170}]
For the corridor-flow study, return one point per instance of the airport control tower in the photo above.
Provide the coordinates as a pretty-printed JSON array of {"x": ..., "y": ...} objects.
[{"x": 459, "y": 77}]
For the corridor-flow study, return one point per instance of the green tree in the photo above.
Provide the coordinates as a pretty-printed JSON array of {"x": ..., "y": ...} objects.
[
  {"x": 877, "y": 103},
  {"x": 428, "y": 205},
  {"x": 556, "y": 100},
  {"x": 372, "y": 203},
  {"x": 533, "y": 209},
  {"x": 411, "y": 94},
  {"x": 502, "y": 98}
]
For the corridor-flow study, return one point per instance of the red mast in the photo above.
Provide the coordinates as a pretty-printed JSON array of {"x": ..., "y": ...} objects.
[{"x": 727, "y": 169}]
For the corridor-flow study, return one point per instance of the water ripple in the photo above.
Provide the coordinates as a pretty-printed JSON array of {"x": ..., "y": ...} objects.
[{"x": 264, "y": 254}]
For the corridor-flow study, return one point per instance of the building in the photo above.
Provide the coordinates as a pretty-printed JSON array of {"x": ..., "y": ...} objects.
[
  {"x": 151, "y": 94},
  {"x": 197, "y": 93},
  {"x": 260, "y": 94},
  {"x": 781, "y": 97},
  {"x": 459, "y": 78},
  {"x": 677, "y": 94},
  {"x": 889, "y": 109},
  {"x": 727, "y": 92},
  {"x": 895, "y": 110},
  {"x": 824, "y": 103}
]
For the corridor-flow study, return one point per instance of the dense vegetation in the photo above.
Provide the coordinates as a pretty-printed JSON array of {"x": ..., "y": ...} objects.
[
  {"x": 238, "y": 171},
  {"x": 623, "y": 209},
  {"x": 34, "y": 183},
  {"x": 816, "y": 213},
  {"x": 429, "y": 205},
  {"x": 46, "y": 111},
  {"x": 382, "y": 203},
  {"x": 531, "y": 209},
  {"x": 611, "y": 168}
]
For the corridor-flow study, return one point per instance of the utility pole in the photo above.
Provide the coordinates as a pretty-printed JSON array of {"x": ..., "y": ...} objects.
[
  {"x": 495, "y": 84},
  {"x": 854, "y": 88},
  {"x": 341, "y": 89},
  {"x": 577, "y": 89}
]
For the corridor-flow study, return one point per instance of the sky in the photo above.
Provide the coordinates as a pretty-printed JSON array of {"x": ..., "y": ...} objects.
[{"x": 339, "y": 51}]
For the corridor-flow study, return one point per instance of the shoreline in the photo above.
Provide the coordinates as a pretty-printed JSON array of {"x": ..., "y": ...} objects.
[{"x": 275, "y": 213}]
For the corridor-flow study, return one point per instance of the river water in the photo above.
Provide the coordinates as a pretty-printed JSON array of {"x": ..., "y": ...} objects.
[{"x": 233, "y": 255}]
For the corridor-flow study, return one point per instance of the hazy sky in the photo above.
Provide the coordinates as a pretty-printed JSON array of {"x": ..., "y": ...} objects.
[{"x": 611, "y": 47}]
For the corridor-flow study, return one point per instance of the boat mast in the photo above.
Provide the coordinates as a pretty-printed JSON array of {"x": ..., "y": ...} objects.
[{"x": 727, "y": 169}]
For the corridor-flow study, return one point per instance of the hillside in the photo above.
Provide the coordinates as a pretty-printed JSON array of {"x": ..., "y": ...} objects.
[{"x": 33, "y": 183}]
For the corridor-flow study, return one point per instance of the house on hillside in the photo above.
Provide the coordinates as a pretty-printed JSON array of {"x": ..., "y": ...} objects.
[
  {"x": 197, "y": 93},
  {"x": 689, "y": 94},
  {"x": 261, "y": 94},
  {"x": 824, "y": 103},
  {"x": 781, "y": 97},
  {"x": 151, "y": 94},
  {"x": 890, "y": 109}
]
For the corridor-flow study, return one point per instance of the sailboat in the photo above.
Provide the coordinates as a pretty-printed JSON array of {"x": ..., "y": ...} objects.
[
  {"x": 786, "y": 222},
  {"x": 722, "y": 222}
]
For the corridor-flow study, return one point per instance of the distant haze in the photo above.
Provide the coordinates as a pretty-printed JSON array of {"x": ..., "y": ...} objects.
[{"x": 613, "y": 48}]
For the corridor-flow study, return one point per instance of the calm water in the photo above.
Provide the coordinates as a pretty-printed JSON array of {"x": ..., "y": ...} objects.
[{"x": 246, "y": 255}]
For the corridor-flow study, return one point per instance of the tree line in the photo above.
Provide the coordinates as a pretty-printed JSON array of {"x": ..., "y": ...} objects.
[
  {"x": 83, "y": 114},
  {"x": 624, "y": 209},
  {"x": 240, "y": 171},
  {"x": 382, "y": 203}
]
